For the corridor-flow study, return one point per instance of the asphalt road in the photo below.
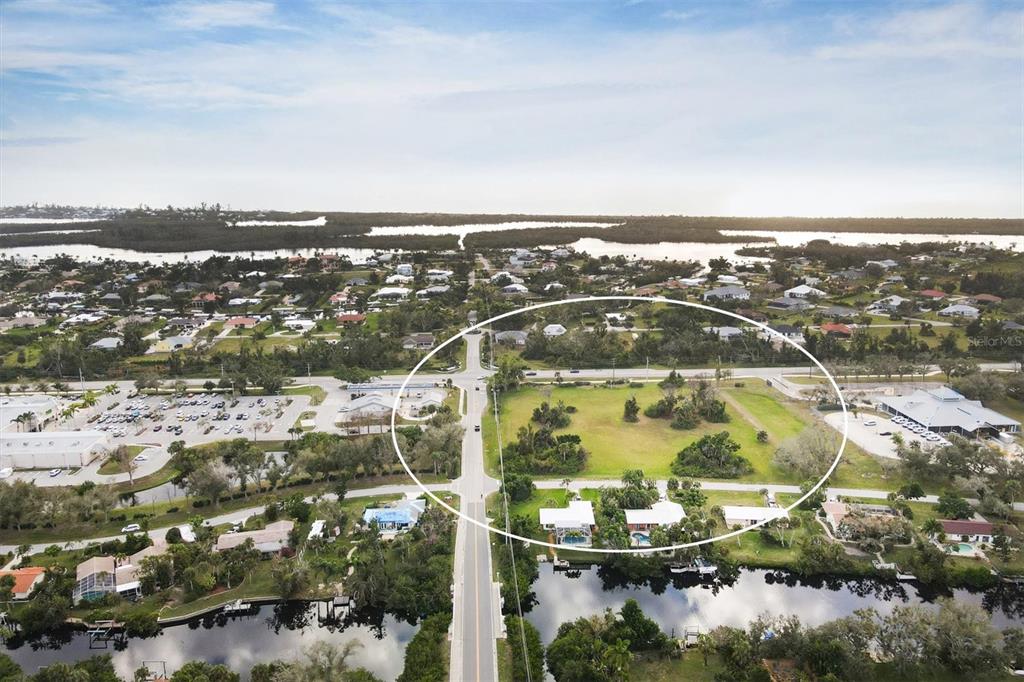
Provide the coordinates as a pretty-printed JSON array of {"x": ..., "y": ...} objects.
[{"x": 477, "y": 619}]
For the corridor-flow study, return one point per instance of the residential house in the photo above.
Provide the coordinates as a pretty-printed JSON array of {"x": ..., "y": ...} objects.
[
  {"x": 25, "y": 580},
  {"x": 742, "y": 516},
  {"x": 418, "y": 341},
  {"x": 270, "y": 540},
  {"x": 835, "y": 512},
  {"x": 885, "y": 264},
  {"x": 888, "y": 304},
  {"x": 404, "y": 269},
  {"x": 349, "y": 319},
  {"x": 391, "y": 293},
  {"x": 397, "y": 517},
  {"x": 106, "y": 343},
  {"x": 839, "y": 312},
  {"x": 724, "y": 333},
  {"x": 298, "y": 324},
  {"x": 514, "y": 289},
  {"x": 241, "y": 323},
  {"x": 836, "y": 329},
  {"x": 553, "y": 330},
  {"x": 933, "y": 294},
  {"x": 102, "y": 575},
  {"x": 662, "y": 513},
  {"x": 790, "y": 304},
  {"x": 980, "y": 532},
  {"x": 986, "y": 299},
  {"x": 572, "y": 525},
  {"x": 399, "y": 279},
  {"x": 959, "y": 310},
  {"x": 804, "y": 291},
  {"x": 512, "y": 338},
  {"x": 788, "y": 331},
  {"x": 432, "y": 291},
  {"x": 727, "y": 293}
]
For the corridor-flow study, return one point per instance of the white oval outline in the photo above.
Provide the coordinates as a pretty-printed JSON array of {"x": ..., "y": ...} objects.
[{"x": 631, "y": 550}]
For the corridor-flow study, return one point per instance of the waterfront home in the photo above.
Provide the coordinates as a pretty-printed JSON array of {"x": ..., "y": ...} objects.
[
  {"x": 102, "y": 575},
  {"x": 661, "y": 513},
  {"x": 834, "y": 513},
  {"x": 270, "y": 540},
  {"x": 975, "y": 531},
  {"x": 397, "y": 517},
  {"x": 572, "y": 525},
  {"x": 741, "y": 516},
  {"x": 943, "y": 410}
]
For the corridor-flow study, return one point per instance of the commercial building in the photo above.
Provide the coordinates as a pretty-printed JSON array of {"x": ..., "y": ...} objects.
[
  {"x": 943, "y": 410},
  {"x": 51, "y": 449}
]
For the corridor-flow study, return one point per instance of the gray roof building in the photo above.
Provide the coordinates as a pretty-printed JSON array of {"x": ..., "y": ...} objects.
[{"x": 944, "y": 410}]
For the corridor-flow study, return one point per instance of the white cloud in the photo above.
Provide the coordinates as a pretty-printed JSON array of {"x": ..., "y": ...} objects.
[
  {"x": 679, "y": 15},
  {"x": 372, "y": 112},
  {"x": 199, "y": 15}
]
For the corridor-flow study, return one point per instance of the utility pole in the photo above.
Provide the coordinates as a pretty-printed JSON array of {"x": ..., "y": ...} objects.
[
  {"x": 309, "y": 374},
  {"x": 81, "y": 379},
  {"x": 647, "y": 359}
]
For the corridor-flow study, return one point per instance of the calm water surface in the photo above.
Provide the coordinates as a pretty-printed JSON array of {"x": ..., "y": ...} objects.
[
  {"x": 675, "y": 602},
  {"x": 274, "y": 632}
]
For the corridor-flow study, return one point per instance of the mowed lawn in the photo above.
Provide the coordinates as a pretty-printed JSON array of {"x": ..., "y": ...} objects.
[{"x": 651, "y": 444}]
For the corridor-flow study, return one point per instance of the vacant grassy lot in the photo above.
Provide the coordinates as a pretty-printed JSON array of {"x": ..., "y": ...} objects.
[{"x": 651, "y": 444}]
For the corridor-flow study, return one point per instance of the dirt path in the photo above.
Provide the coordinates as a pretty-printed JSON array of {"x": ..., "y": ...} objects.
[{"x": 743, "y": 412}]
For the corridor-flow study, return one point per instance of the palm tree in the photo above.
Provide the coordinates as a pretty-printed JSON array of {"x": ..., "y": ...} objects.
[
  {"x": 706, "y": 646},
  {"x": 616, "y": 659},
  {"x": 932, "y": 527}
]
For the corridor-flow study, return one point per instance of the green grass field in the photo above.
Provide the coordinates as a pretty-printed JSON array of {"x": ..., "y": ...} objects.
[{"x": 651, "y": 444}]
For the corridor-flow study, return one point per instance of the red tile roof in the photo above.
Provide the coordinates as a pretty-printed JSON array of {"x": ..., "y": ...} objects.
[
  {"x": 835, "y": 327},
  {"x": 24, "y": 578},
  {"x": 932, "y": 293},
  {"x": 951, "y": 527}
]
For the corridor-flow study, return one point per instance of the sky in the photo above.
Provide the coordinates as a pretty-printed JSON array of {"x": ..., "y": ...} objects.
[{"x": 746, "y": 108}]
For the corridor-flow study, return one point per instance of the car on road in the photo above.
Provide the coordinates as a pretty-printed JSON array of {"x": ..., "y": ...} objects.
[
  {"x": 531, "y": 374},
  {"x": 885, "y": 433},
  {"x": 131, "y": 528},
  {"x": 54, "y": 472},
  {"x": 476, "y": 428},
  {"x": 141, "y": 457},
  {"x": 869, "y": 422},
  {"x": 574, "y": 371}
]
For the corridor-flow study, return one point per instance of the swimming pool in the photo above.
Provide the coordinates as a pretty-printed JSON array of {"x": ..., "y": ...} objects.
[{"x": 640, "y": 538}]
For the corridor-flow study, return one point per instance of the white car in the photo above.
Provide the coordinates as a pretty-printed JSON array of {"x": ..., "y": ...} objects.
[
  {"x": 141, "y": 457},
  {"x": 6, "y": 472},
  {"x": 54, "y": 472},
  {"x": 131, "y": 528},
  {"x": 869, "y": 422}
]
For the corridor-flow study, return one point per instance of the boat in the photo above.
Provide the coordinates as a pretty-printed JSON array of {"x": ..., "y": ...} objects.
[
  {"x": 237, "y": 607},
  {"x": 699, "y": 565}
]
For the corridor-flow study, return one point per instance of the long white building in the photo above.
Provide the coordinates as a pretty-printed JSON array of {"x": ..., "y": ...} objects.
[{"x": 51, "y": 449}]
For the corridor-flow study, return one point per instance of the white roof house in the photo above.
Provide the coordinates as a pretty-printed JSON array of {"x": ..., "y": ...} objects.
[
  {"x": 724, "y": 333},
  {"x": 398, "y": 279},
  {"x": 729, "y": 292},
  {"x": 514, "y": 288},
  {"x": 959, "y": 310},
  {"x": 554, "y": 330},
  {"x": 391, "y": 292},
  {"x": 106, "y": 343},
  {"x": 572, "y": 525},
  {"x": 663, "y": 513},
  {"x": 889, "y": 302},
  {"x": 944, "y": 410},
  {"x": 803, "y": 291},
  {"x": 747, "y": 516},
  {"x": 50, "y": 449}
]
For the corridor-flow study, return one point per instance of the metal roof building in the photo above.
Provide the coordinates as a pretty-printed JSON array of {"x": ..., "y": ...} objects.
[{"x": 945, "y": 411}]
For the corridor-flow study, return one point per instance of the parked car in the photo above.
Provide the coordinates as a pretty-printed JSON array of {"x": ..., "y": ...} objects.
[
  {"x": 131, "y": 528},
  {"x": 54, "y": 472},
  {"x": 476, "y": 428},
  {"x": 141, "y": 457}
]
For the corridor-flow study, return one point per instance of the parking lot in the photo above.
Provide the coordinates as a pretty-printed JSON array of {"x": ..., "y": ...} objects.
[
  {"x": 873, "y": 433},
  {"x": 156, "y": 421},
  {"x": 193, "y": 418}
]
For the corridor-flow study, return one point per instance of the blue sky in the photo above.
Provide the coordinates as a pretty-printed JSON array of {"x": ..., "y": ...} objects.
[{"x": 764, "y": 107}]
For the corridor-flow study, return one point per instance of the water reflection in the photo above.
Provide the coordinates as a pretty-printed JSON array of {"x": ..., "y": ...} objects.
[
  {"x": 279, "y": 631},
  {"x": 675, "y": 601}
]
